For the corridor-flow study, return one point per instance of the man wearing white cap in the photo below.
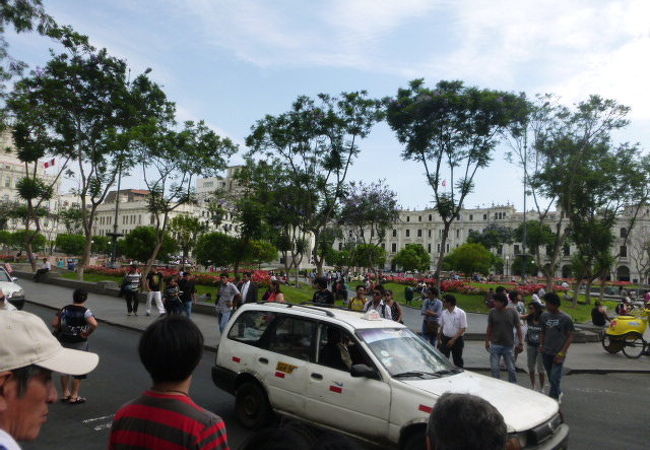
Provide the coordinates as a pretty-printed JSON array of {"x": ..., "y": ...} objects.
[{"x": 29, "y": 353}]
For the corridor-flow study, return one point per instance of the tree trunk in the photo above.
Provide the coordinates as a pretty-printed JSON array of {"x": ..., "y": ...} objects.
[
  {"x": 85, "y": 257},
  {"x": 602, "y": 288},
  {"x": 588, "y": 291},
  {"x": 576, "y": 290},
  {"x": 152, "y": 258},
  {"x": 441, "y": 255}
]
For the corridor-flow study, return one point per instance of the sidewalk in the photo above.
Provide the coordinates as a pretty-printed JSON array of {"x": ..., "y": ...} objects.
[{"x": 581, "y": 358}]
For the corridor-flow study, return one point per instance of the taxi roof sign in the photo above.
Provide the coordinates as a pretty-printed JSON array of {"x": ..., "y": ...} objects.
[{"x": 371, "y": 314}]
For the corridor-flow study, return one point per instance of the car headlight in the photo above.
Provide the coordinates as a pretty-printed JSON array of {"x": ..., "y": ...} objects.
[{"x": 18, "y": 293}]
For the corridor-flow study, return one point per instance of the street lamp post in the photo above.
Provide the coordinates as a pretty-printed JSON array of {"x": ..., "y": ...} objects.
[{"x": 115, "y": 234}]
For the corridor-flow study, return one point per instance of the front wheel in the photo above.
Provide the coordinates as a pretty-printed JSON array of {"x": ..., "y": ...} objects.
[
  {"x": 612, "y": 345},
  {"x": 252, "y": 406},
  {"x": 634, "y": 345},
  {"x": 416, "y": 441}
]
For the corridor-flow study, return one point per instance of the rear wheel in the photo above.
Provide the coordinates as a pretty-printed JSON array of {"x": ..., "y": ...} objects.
[
  {"x": 634, "y": 345},
  {"x": 252, "y": 406},
  {"x": 612, "y": 345}
]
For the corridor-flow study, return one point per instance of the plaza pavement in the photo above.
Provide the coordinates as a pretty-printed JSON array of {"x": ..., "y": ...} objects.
[{"x": 581, "y": 358}]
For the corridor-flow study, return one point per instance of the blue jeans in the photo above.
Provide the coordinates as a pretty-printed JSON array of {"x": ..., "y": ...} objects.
[
  {"x": 496, "y": 352},
  {"x": 223, "y": 317},
  {"x": 187, "y": 309},
  {"x": 428, "y": 336},
  {"x": 554, "y": 372}
]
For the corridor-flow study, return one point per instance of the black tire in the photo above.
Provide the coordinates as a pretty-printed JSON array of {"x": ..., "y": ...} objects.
[
  {"x": 612, "y": 345},
  {"x": 415, "y": 441},
  {"x": 634, "y": 345},
  {"x": 252, "y": 406}
]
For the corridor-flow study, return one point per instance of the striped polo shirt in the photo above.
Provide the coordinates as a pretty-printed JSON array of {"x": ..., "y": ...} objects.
[{"x": 167, "y": 422}]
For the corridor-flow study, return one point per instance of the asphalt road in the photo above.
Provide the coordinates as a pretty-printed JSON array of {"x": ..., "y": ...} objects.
[{"x": 603, "y": 411}]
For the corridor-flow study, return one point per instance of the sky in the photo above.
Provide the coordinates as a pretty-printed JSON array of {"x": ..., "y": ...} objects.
[{"x": 231, "y": 62}]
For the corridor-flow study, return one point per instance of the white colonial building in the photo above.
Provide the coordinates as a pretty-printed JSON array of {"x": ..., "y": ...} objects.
[{"x": 425, "y": 227}]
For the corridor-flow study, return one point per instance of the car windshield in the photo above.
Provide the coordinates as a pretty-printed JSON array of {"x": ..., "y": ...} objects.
[
  {"x": 4, "y": 276},
  {"x": 404, "y": 354}
]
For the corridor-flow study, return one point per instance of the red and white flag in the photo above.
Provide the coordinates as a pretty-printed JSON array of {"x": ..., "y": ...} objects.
[{"x": 49, "y": 163}]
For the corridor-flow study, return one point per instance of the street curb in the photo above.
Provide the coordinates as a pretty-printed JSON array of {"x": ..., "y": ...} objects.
[
  {"x": 605, "y": 371},
  {"x": 211, "y": 348}
]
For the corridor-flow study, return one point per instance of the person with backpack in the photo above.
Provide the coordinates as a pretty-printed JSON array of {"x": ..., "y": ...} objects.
[
  {"x": 173, "y": 303},
  {"x": 72, "y": 326},
  {"x": 377, "y": 303}
]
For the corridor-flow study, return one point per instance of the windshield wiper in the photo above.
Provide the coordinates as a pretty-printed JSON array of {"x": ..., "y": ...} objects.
[
  {"x": 415, "y": 374},
  {"x": 448, "y": 371}
]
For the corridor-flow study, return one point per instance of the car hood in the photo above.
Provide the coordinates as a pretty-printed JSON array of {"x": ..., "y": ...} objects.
[
  {"x": 9, "y": 288},
  {"x": 522, "y": 408}
]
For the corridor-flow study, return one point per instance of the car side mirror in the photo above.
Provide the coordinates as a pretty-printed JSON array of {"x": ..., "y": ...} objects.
[{"x": 363, "y": 370}]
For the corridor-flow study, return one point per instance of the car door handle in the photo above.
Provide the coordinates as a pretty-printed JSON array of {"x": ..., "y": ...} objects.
[
  {"x": 263, "y": 360},
  {"x": 316, "y": 376}
]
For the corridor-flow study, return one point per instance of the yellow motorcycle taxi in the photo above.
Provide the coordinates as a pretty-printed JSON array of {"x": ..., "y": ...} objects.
[{"x": 626, "y": 333}]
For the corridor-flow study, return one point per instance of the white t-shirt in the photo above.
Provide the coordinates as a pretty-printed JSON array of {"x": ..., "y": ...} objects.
[
  {"x": 7, "y": 442},
  {"x": 452, "y": 322},
  {"x": 6, "y": 306}
]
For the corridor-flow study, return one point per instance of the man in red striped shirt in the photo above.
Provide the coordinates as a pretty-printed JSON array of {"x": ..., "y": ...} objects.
[{"x": 165, "y": 417}]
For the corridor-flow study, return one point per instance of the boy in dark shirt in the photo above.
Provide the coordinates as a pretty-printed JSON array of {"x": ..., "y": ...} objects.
[{"x": 556, "y": 337}]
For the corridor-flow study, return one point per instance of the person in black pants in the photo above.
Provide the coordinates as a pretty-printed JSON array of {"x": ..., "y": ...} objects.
[{"x": 453, "y": 324}]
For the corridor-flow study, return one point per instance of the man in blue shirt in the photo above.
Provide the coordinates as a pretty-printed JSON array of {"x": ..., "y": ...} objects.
[{"x": 431, "y": 309}]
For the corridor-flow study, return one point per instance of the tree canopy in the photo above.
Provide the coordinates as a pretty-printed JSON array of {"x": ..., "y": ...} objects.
[
  {"x": 470, "y": 258},
  {"x": 452, "y": 130},
  {"x": 413, "y": 257}
]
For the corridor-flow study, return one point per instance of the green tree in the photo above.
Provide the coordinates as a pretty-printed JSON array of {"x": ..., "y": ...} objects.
[
  {"x": 186, "y": 230},
  {"x": 70, "y": 244},
  {"x": 138, "y": 243},
  {"x": 609, "y": 181},
  {"x": 523, "y": 265},
  {"x": 171, "y": 160},
  {"x": 72, "y": 219},
  {"x": 470, "y": 258},
  {"x": 452, "y": 130},
  {"x": 369, "y": 256},
  {"x": 338, "y": 258},
  {"x": 491, "y": 237},
  {"x": 216, "y": 249},
  {"x": 18, "y": 240},
  {"x": 551, "y": 143},
  {"x": 101, "y": 244},
  {"x": 82, "y": 107},
  {"x": 368, "y": 210},
  {"x": 413, "y": 257},
  {"x": 261, "y": 252},
  {"x": 281, "y": 204},
  {"x": 317, "y": 142}
]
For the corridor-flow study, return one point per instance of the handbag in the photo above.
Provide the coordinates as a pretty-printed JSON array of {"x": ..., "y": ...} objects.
[{"x": 432, "y": 327}]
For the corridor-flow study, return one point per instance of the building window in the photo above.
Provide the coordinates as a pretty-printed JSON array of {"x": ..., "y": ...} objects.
[
  {"x": 484, "y": 216},
  {"x": 623, "y": 251},
  {"x": 394, "y": 233},
  {"x": 429, "y": 248},
  {"x": 438, "y": 248},
  {"x": 429, "y": 233},
  {"x": 393, "y": 247},
  {"x": 7, "y": 181},
  {"x": 623, "y": 232},
  {"x": 430, "y": 217},
  {"x": 516, "y": 249},
  {"x": 408, "y": 233},
  {"x": 419, "y": 218},
  {"x": 500, "y": 250},
  {"x": 419, "y": 233},
  {"x": 457, "y": 233},
  {"x": 340, "y": 246},
  {"x": 447, "y": 248},
  {"x": 567, "y": 250},
  {"x": 408, "y": 218},
  {"x": 471, "y": 217}
]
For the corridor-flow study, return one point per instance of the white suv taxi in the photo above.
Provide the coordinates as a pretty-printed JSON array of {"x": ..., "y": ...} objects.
[{"x": 361, "y": 375}]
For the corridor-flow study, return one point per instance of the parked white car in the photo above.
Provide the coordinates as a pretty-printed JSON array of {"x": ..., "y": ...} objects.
[
  {"x": 12, "y": 290},
  {"x": 361, "y": 375}
]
